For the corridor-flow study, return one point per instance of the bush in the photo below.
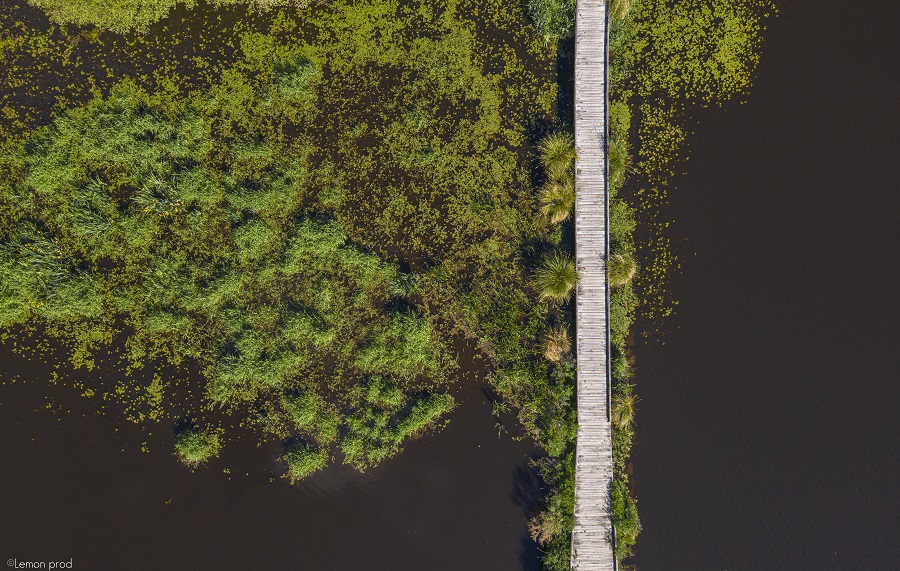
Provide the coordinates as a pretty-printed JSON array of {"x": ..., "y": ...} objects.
[{"x": 625, "y": 518}]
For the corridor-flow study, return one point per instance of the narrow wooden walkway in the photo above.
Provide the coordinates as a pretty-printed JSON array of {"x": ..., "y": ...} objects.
[{"x": 593, "y": 538}]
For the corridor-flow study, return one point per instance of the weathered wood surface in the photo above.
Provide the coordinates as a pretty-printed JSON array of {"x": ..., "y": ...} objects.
[{"x": 592, "y": 539}]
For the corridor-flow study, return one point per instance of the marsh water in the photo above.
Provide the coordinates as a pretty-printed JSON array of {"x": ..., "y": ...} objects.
[
  {"x": 77, "y": 485},
  {"x": 768, "y": 422}
]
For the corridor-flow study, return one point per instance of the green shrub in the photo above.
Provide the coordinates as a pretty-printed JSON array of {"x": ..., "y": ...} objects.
[
  {"x": 625, "y": 518},
  {"x": 622, "y": 302},
  {"x": 621, "y": 224}
]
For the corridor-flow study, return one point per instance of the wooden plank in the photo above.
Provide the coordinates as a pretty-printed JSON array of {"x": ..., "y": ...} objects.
[{"x": 593, "y": 536}]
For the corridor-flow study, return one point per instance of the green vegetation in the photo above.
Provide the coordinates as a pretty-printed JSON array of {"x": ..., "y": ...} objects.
[
  {"x": 303, "y": 461},
  {"x": 622, "y": 268},
  {"x": 556, "y": 278},
  {"x": 554, "y": 19},
  {"x": 665, "y": 57},
  {"x": 557, "y": 196},
  {"x": 557, "y": 344},
  {"x": 124, "y": 15},
  {"x": 293, "y": 228},
  {"x": 194, "y": 447},
  {"x": 288, "y": 236}
]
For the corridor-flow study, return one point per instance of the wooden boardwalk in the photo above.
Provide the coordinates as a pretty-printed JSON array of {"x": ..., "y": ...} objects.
[{"x": 593, "y": 537}]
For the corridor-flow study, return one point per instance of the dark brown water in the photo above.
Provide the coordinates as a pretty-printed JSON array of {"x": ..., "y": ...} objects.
[
  {"x": 769, "y": 422},
  {"x": 76, "y": 485}
]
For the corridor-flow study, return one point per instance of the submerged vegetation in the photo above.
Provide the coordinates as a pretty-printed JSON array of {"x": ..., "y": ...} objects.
[{"x": 298, "y": 226}]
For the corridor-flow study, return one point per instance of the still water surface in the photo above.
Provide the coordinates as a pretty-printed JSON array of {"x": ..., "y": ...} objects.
[
  {"x": 769, "y": 421},
  {"x": 76, "y": 485}
]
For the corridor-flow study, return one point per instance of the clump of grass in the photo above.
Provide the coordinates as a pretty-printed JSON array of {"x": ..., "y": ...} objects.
[
  {"x": 295, "y": 78},
  {"x": 619, "y": 163},
  {"x": 619, "y": 9},
  {"x": 557, "y": 199},
  {"x": 303, "y": 461},
  {"x": 385, "y": 417},
  {"x": 194, "y": 447},
  {"x": 312, "y": 414},
  {"x": 622, "y": 410},
  {"x": 557, "y": 344},
  {"x": 557, "y": 154},
  {"x": 554, "y": 19},
  {"x": 621, "y": 269},
  {"x": 557, "y": 196},
  {"x": 556, "y": 277}
]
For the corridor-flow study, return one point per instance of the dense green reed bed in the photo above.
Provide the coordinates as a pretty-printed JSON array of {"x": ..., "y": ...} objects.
[
  {"x": 293, "y": 216},
  {"x": 310, "y": 221}
]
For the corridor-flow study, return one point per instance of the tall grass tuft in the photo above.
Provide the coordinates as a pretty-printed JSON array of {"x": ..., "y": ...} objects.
[
  {"x": 619, "y": 163},
  {"x": 556, "y": 277},
  {"x": 622, "y": 412},
  {"x": 621, "y": 269},
  {"x": 557, "y": 344},
  {"x": 557, "y": 199},
  {"x": 558, "y": 154}
]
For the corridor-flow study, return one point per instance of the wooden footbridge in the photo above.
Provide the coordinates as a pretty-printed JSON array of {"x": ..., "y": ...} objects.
[{"x": 593, "y": 537}]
